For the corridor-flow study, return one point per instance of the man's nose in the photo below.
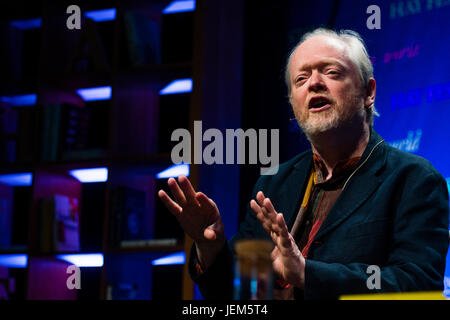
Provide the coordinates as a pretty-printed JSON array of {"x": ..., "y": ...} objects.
[{"x": 316, "y": 82}]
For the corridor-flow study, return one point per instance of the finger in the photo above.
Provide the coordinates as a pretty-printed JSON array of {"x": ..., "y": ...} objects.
[
  {"x": 285, "y": 240},
  {"x": 206, "y": 203},
  {"x": 275, "y": 253},
  {"x": 187, "y": 188},
  {"x": 271, "y": 213},
  {"x": 260, "y": 216},
  {"x": 173, "y": 207},
  {"x": 209, "y": 234},
  {"x": 176, "y": 192},
  {"x": 268, "y": 204},
  {"x": 203, "y": 200},
  {"x": 275, "y": 237},
  {"x": 255, "y": 207},
  {"x": 260, "y": 198}
]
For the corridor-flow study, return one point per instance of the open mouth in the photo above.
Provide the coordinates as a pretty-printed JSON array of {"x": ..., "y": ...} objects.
[{"x": 318, "y": 102}]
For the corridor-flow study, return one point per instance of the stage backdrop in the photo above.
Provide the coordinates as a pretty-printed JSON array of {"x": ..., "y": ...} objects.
[{"x": 411, "y": 58}]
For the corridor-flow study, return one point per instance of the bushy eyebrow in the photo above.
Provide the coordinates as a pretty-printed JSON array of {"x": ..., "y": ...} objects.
[{"x": 322, "y": 63}]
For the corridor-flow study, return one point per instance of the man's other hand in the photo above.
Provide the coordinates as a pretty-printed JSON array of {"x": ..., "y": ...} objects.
[
  {"x": 287, "y": 260},
  {"x": 199, "y": 217}
]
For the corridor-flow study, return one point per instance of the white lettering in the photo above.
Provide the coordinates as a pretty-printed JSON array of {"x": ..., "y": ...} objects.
[
  {"x": 74, "y": 281},
  {"x": 373, "y": 21},
  {"x": 73, "y": 21},
  {"x": 374, "y": 281}
]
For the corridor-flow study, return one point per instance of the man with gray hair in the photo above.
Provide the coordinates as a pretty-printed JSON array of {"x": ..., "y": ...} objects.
[{"x": 349, "y": 205}]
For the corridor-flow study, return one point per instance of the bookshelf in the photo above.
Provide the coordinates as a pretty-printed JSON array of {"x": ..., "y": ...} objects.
[{"x": 124, "y": 129}]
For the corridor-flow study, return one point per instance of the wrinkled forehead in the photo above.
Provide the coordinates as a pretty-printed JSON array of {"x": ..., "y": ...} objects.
[{"x": 320, "y": 49}]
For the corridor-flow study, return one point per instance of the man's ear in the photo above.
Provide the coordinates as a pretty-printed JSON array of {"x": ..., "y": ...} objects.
[{"x": 370, "y": 92}]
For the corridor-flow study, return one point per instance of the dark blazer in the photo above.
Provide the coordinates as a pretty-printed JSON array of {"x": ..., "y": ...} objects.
[{"x": 392, "y": 213}]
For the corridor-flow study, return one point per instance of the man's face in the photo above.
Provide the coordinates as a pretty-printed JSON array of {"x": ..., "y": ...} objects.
[{"x": 326, "y": 88}]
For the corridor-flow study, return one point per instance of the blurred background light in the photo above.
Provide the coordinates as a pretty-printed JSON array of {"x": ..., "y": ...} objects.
[
  {"x": 23, "y": 100},
  {"x": 174, "y": 171},
  {"x": 90, "y": 175},
  {"x": 180, "y": 6},
  {"x": 94, "y": 94},
  {"x": 14, "y": 260},
  {"x": 177, "y": 86},
  {"x": 83, "y": 259},
  {"x": 27, "y": 24},
  {"x": 176, "y": 258},
  {"x": 101, "y": 15},
  {"x": 17, "y": 179}
]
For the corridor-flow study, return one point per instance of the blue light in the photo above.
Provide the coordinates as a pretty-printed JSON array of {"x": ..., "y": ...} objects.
[
  {"x": 448, "y": 184},
  {"x": 101, "y": 15},
  {"x": 27, "y": 24},
  {"x": 176, "y": 258},
  {"x": 446, "y": 292},
  {"x": 94, "y": 94},
  {"x": 83, "y": 259},
  {"x": 14, "y": 260},
  {"x": 90, "y": 175},
  {"x": 180, "y": 6},
  {"x": 174, "y": 171},
  {"x": 17, "y": 179},
  {"x": 23, "y": 100},
  {"x": 177, "y": 86}
]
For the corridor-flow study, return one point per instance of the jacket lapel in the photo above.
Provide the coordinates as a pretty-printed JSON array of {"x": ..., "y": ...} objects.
[
  {"x": 360, "y": 186},
  {"x": 294, "y": 188}
]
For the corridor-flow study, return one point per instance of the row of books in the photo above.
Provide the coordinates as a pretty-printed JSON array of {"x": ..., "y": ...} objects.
[
  {"x": 127, "y": 230},
  {"x": 59, "y": 221},
  {"x": 17, "y": 129},
  {"x": 92, "y": 51},
  {"x": 60, "y": 230},
  {"x": 69, "y": 132},
  {"x": 66, "y": 132}
]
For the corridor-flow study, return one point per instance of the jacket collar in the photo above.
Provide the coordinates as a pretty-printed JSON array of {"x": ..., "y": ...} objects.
[{"x": 362, "y": 183}]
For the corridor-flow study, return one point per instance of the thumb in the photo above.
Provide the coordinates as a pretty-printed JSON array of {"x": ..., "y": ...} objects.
[{"x": 209, "y": 234}]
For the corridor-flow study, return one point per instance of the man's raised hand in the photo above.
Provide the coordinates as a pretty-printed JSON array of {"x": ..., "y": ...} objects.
[
  {"x": 287, "y": 261},
  {"x": 198, "y": 215}
]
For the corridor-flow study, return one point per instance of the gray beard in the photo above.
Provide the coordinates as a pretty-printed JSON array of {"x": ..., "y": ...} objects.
[
  {"x": 321, "y": 123},
  {"x": 330, "y": 120}
]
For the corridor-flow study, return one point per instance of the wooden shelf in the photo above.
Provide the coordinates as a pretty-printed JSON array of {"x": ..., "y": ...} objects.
[
  {"x": 14, "y": 250},
  {"x": 156, "y": 248},
  {"x": 155, "y": 76},
  {"x": 129, "y": 121},
  {"x": 140, "y": 162}
]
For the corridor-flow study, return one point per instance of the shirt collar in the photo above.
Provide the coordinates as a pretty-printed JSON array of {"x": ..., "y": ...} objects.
[{"x": 341, "y": 170}]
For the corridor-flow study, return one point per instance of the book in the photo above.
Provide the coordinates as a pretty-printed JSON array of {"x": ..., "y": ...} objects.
[
  {"x": 5, "y": 222},
  {"x": 127, "y": 214},
  {"x": 121, "y": 291},
  {"x": 75, "y": 133},
  {"x": 26, "y": 134},
  {"x": 67, "y": 217},
  {"x": 8, "y": 133},
  {"x": 89, "y": 54},
  {"x": 46, "y": 226},
  {"x": 148, "y": 243},
  {"x": 84, "y": 131},
  {"x": 51, "y": 117},
  {"x": 59, "y": 224},
  {"x": 143, "y": 39}
]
